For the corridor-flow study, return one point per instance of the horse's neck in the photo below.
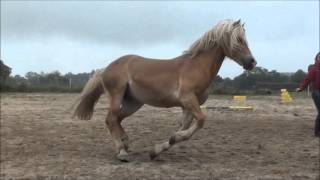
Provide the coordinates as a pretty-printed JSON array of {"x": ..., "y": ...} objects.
[{"x": 210, "y": 61}]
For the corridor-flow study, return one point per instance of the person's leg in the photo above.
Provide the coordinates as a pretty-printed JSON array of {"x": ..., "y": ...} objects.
[
  {"x": 316, "y": 99},
  {"x": 317, "y": 126}
]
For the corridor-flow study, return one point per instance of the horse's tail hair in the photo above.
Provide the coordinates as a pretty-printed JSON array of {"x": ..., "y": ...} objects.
[{"x": 89, "y": 96}]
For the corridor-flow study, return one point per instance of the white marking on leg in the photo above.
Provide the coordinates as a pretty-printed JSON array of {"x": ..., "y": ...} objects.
[
  {"x": 123, "y": 155},
  {"x": 123, "y": 152},
  {"x": 158, "y": 148},
  {"x": 185, "y": 134}
]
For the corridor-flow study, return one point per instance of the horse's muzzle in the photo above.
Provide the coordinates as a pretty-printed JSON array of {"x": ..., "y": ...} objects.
[{"x": 250, "y": 64}]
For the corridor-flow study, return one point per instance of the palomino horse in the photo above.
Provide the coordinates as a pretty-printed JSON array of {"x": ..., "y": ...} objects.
[{"x": 183, "y": 81}]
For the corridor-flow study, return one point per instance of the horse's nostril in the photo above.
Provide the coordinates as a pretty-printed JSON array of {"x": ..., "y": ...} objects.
[{"x": 252, "y": 61}]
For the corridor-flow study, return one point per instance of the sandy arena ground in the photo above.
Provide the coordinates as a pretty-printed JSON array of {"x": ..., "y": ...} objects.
[{"x": 40, "y": 140}]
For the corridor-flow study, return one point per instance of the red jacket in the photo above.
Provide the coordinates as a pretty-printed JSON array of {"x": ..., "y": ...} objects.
[{"x": 313, "y": 77}]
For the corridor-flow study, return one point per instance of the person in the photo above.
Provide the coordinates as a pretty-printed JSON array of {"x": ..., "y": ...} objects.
[{"x": 313, "y": 79}]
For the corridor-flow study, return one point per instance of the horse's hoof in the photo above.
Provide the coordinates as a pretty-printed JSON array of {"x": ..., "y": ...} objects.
[
  {"x": 152, "y": 155},
  {"x": 123, "y": 158}
]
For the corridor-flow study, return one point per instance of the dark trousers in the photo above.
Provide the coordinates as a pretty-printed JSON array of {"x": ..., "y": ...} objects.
[{"x": 316, "y": 100}]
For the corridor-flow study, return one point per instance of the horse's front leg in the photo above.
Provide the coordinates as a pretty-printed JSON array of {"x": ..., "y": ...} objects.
[
  {"x": 186, "y": 119},
  {"x": 191, "y": 104}
]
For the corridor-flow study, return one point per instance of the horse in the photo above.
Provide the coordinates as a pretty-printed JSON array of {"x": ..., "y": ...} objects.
[{"x": 132, "y": 81}]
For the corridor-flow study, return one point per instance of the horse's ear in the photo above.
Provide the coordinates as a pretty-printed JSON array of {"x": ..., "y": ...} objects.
[
  {"x": 243, "y": 25},
  {"x": 237, "y": 22}
]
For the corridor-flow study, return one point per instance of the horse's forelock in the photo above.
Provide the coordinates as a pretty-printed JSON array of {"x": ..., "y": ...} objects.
[{"x": 237, "y": 33}]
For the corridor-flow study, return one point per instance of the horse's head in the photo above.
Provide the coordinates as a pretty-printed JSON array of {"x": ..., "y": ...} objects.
[
  {"x": 230, "y": 37},
  {"x": 235, "y": 45}
]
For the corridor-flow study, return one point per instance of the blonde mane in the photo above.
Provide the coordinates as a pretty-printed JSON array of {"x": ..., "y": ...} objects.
[{"x": 226, "y": 34}]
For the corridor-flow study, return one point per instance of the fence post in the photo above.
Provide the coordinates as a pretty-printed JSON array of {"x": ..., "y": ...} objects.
[{"x": 70, "y": 83}]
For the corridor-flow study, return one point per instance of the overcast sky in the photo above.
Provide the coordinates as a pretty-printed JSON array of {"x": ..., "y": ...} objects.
[{"x": 78, "y": 36}]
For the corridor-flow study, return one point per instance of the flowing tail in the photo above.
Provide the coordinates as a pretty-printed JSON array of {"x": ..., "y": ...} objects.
[{"x": 89, "y": 97}]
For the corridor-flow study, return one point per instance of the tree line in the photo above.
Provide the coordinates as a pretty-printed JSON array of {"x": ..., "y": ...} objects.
[
  {"x": 42, "y": 82},
  {"x": 257, "y": 81}
]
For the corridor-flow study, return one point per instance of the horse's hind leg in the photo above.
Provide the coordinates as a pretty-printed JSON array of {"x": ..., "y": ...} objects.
[
  {"x": 128, "y": 107},
  {"x": 113, "y": 123}
]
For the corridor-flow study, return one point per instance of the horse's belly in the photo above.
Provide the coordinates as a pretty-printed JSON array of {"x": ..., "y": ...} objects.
[{"x": 155, "y": 97}]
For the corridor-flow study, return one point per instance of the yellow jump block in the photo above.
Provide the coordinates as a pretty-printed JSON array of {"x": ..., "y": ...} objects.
[
  {"x": 240, "y": 98},
  {"x": 285, "y": 96},
  {"x": 239, "y": 103}
]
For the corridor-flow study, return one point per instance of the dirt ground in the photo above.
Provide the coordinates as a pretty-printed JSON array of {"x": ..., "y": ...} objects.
[{"x": 40, "y": 140}]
